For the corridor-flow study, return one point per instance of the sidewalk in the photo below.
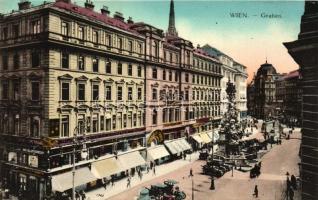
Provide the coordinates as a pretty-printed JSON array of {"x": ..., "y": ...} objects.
[{"x": 121, "y": 185}]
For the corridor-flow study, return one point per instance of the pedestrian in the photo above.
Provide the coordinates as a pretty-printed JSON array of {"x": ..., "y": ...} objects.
[
  {"x": 184, "y": 156},
  {"x": 83, "y": 195},
  {"x": 151, "y": 164},
  {"x": 293, "y": 182},
  {"x": 77, "y": 195},
  {"x": 291, "y": 194},
  {"x": 112, "y": 180},
  {"x": 255, "y": 192},
  {"x": 140, "y": 175},
  {"x": 105, "y": 182},
  {"x": 154, "y": 170},
  {"x": 147, "y": 168},
  {"x": 128, "y": 182},
  {"x": 191, "y": 173}
]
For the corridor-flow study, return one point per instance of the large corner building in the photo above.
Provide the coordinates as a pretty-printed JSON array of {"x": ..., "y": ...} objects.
[{"x": 113, "y": 89}]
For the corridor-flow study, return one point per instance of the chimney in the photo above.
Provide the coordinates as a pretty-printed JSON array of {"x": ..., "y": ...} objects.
[
  {"x": 130, "y": 21},
  {"x": 89, "y": 5},
  {"x": 105, "y": 11},
  {"x": 119, "y": 16},
  {"x": 24, "y": 4},
  {"x": 66, "y": 1}
]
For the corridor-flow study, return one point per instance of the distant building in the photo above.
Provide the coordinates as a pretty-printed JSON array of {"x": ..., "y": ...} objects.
[
  {"x": 304, "y": 51},
  {"x": 251, "y": 98},
  {"x": 234, "y": 72},
  {"x": 265, "y": 92},
  {"x": 288, "y": 97}
]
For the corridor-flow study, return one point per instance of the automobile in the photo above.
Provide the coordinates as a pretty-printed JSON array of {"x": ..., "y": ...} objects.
[
  {"x": 212, "y": 171},
  {"x": 203, "y": 155}
]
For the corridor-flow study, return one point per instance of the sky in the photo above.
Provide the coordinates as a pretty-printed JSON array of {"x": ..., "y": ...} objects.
[{"x": 249, "y": 41}]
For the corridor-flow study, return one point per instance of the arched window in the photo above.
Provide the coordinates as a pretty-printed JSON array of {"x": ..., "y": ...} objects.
[{"x": 154, "y": 116}]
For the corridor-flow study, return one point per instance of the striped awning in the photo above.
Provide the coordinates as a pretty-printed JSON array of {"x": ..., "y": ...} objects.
[
  {"x": 197, "y": 138},
  {"x": 131, "y": 160},
  {"x": 206, "y": 139},
  {"x": 106, "y": 167}
]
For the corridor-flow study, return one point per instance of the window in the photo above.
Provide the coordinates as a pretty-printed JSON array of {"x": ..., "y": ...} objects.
[
  {"x": 16, "y": 61},
  {"x": 176, "y": 77},
  {"x": 81, "y": 124},
  {"x": 140, "y": 49},
  {"x": 164, "y": 75},
  {"x": 139, "y": 71},
  {"x": 129, "y": 93},
  {"x": 119, "y": 68},
  {"x": 64, "y": 28},
  {"x": 95, "y": 123},
  {"x": 108, "y": 92},
  {"x": 119, "y": 93},
  {"x": 186, "y": 95},
  {"x": 5, "y": 33},
  {"x": 16, "y": 30},
  {"x": 165, "y": 56},
  {"x": 34, "y": 126},
  {"x": 108, "y": 40},
  {"x": 65, "y": 60},
  {"x": 193, "y": 78},
  {"x": 164, "y": 115},
  {"x": 95, "y": 64},
  {"x": 81, "y": 32},
  {"x": 95, "y": 92},
  {"x": 155, "y": 49},
  {"x": 65, "y": 91},
  {"x": 80, "y": 62},
  {"x": 139, "y": 93},
  {"x": 81, "y": 92},
  {"x": 154, "y": 73},
  {"x": 120, "y": 44},
  {"x": 193, "y": 95},
  {"x": 36, "y": 26},
  {"x": 108, "y": 124},
  {"x": 154, "y": 117},
  {"x": 130, "y": 70},
  {"x": 16, "y": 90},
  {"x": 154, "y": 94},
  {"x": 5, "y": 90},
  {"x": 134, "y": 119},
  {"x": 130, "y": 47},
  {"x": 65, "y": 126},
  {"x": 108, "y": 67},
  {"x": 102, "y": 123},
  {"x": 170, "y": 59},
  {"x": 35, "y": 91},
  {"x": 170, "y": 75},
  {"x": 5, "y": 62},
  {"x": 186, "y": 78},
  {"x": 16, "y": 124},
  {"x": 114, "y": 122},
  {"x": 95, "y": 36},
  {"x": 35, "y": 58}
]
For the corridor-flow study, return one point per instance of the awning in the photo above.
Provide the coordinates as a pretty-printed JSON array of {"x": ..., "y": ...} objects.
[
  {"x": 106, "y": 167},
  {"x": 197, "y": 138},
  {"x": 206, "y": 139},
  {"x": 184, "y": 144},
  {"x": 156, "y": 152},
  {"x": 215, "y": 135},
  {"x": 172, "y": 147},
  {"x": 131, "y": 160},
  {"x": 64, "y": 181}
]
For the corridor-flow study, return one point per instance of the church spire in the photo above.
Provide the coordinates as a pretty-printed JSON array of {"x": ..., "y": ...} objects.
[{"x": 172, "y": 28}]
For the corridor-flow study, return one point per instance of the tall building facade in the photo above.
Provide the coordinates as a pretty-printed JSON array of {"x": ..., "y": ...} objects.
[
  {"x": 304, "y": 52},
  {"x": 265, "y": 92},
  {"x": 236, "y": 73},
  {"x": 73, "y": 78}
]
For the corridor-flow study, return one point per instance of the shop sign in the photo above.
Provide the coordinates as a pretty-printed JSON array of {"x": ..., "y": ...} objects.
[{"x": 33, "y": 161}]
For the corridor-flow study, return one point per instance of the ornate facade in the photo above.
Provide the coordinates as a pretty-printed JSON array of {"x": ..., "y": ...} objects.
[{"x": 70, "y": 75}]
